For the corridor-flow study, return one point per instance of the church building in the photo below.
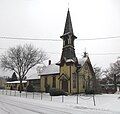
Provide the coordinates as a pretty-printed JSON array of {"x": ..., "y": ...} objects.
[{"x": 70, "y": 74}]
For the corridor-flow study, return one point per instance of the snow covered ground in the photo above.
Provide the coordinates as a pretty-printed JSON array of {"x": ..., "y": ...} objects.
[{"x": 12, "y": 103}]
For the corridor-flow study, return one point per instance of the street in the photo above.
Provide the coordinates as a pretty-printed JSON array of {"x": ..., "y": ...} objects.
[{"x": 17, "y": 105}]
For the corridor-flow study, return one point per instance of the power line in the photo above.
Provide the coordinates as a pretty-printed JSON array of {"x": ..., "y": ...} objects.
[
  {"x": 27, "y": 38},
  {"x": 89, "y": 53},
  {"x": 94, "y": 54},
  {"x": 44, "y": 39},
  {"x": 17, "y": 38},
  {"x": 105, "y": 38},
  {"x": 105, "y": 54}
]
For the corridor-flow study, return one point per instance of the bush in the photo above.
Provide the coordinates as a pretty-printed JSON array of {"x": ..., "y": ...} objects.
[
  {"x": 30, "y": 88},
  {"x": 89, "y": 92},
  {"x": 56, "y": 92},
  {"x": 47, "y": 88}
]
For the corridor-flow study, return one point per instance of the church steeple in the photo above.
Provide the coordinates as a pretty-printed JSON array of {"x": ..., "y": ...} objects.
[
  {"x": 68, "y": 52},
  {"x": 68, "y": 29},
  {"x": 68, "y": 25}
]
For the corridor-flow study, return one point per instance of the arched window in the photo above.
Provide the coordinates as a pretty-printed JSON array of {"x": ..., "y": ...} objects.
[
  {"x": 54, "y": 82},
  {"x": 66, "y": 41},
  {"x": 74, "y": 77}
]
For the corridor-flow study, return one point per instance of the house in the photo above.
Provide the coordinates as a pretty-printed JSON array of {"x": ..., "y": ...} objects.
[
  {"x": 33, "y": 80},
  {"x": 69, "y": 74},
  {"x": 14, "y": 85}
]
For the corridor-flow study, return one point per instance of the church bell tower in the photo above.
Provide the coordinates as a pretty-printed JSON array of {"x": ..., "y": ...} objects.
[
  {"x": 68, "y": 62},
  {"x": 68, "y": 51}
]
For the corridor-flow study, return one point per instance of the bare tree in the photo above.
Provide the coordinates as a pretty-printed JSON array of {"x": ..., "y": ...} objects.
[
  {"x": 98, "y": 72},
  {"x": 21, "y": 59},
  {"x": 113, "y": 73},
  {"x": 98, "y": 76}
]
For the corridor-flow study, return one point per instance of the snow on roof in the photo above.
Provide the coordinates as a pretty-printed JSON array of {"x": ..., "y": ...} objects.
[
  {"x": 69, "y": 60},
  {"x": 16, "y": 82},
  {"x": 58, "y": 63},
  {"x": 33, "y": 76},
  {"x": 50, "y": 69},
  {"x": 82, "y": 61}
]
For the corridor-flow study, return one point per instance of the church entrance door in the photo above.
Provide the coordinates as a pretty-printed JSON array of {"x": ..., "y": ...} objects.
[{"x": 65, "y": 85}]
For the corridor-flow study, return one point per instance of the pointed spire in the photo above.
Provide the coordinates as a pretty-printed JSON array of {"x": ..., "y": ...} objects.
[{"x": 68, "y": 25}]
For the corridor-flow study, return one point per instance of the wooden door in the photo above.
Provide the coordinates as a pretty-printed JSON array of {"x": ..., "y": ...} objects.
[{"x": 65, "y": 85}]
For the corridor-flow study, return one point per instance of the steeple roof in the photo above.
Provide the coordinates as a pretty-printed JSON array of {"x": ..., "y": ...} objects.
[
  {"x": 68, "y": 25},
  {"x": 68, "y": 52},
  {"x": 68, "y": 29}
]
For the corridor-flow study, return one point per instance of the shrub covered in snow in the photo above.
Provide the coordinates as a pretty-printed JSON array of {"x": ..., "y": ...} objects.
[
  {"x": 56, "y": 92},
  {"x": 89, "y": 92},
  {"x": 30, "y": 88}
]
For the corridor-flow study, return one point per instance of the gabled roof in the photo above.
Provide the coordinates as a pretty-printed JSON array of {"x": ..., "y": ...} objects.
[
  {"x": 86, "y": 60},
  {"x": 63, "y": 77},
  {"x": 54, "y": 69},
  {"x": 50, "y": 70},
  {"x": 33, "y": 77},
  {"x": 82, "y": 61}
]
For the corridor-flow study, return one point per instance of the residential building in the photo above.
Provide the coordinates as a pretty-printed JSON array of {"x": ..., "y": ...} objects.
[{"x": 14, "y": 85}]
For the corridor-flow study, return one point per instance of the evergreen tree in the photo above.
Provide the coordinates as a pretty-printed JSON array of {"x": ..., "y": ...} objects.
[{"x": 14, "y": 77}]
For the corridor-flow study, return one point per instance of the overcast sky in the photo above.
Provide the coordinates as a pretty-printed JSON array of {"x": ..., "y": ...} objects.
[{"x": 45, "y": 19}]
